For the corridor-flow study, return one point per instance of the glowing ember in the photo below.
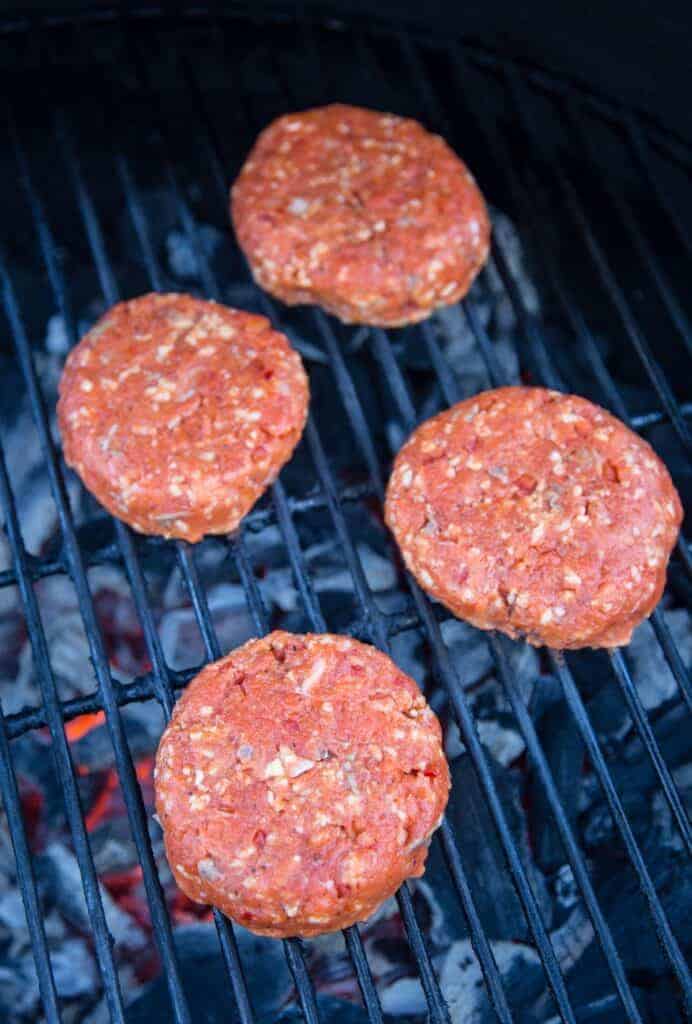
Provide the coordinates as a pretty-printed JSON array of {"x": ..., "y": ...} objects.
[
  {"x": 144, "y": 769},
  {"x": 82, "y": 724},
  {"x": 103, "y": 802}
]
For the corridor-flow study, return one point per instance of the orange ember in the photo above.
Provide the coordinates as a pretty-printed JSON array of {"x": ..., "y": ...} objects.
[
  {"x": 144, "y": 769},
  {"x": 102, "y": 802},
  {"x": 83, "y": 724},
  {"x": 109, "y": 801}
]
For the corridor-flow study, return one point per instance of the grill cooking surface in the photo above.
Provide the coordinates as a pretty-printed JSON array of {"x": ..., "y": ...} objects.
[{"x": 124, "y": 165}]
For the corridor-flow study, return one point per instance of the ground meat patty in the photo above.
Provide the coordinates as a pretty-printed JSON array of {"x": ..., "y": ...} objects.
[
  {"x": 364, "y": 213},
  {"x": 538, "y": 514},
  {"x": 298, "y": 783},
  {"x": 178, "y": 413}
]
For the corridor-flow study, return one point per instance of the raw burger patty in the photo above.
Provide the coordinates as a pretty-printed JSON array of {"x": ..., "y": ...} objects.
[
  {"x": 178, "y": 413},
  {"x": 538, "y": 514},
  {"x": 298, "y": 783},
  {"x": 363, "y": 213}
]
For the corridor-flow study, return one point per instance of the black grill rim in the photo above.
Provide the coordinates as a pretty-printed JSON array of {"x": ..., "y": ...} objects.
[
  {"x": 162, "y": 683},
  {"x": 175, "y": 13}
]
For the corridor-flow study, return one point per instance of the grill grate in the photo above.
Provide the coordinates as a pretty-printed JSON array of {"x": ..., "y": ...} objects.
[{"x": 531, "y": 192}]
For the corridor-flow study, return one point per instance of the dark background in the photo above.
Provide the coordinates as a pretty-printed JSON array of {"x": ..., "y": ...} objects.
[{"x": 638, "y": 51}]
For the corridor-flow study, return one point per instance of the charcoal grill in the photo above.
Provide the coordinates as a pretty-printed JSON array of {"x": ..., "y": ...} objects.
[{"x": 599, "y": 196}]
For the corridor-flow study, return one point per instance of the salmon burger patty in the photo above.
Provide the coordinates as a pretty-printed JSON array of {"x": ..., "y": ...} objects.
[
  {"x": 178, "y": 413},
  {"x": 535, "y": 513},
  {"x": 364, "y": 213},
  {"x": 298, "y": 783}
]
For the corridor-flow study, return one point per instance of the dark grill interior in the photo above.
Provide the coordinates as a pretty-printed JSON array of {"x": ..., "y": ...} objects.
[{"x": 123, "y": 164}]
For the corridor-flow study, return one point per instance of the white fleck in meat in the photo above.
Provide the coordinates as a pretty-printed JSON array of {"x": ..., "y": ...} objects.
[
  {"x": 298, "y": 766},
  {"x": 537, "y": 533},
  {"x": 299, "y": 206},
  {"x": 313, "y": 676},
  {"x": 274, "y": 769},
  {"x": 208, "y": 870}
]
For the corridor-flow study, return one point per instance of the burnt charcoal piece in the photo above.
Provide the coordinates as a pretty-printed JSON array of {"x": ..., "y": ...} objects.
[
  {"x": 58, "y": 871},
  {"x": 461, "y": 980},
  {"x": 205, "y": 979},
  {"x": 482, "y": 854},
  {"x": 564, "y": 752},
  {"x": 625, "y": 909}
]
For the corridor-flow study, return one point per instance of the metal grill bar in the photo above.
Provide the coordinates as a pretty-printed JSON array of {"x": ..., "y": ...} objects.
[
  {"x": 36, "y": 569},
  {"x": 668, "y": 941},
  {"x": 59, "y": 747},
  {"x": 140, "y": 689},
  {"x": 646, "y": 734},
  {"x": 467, "y": 727},
  {"x": 126, "y": 772},
  {"x": 30, "y": 898},
  {"x": 574, "y": 854},
  {"x": 12, "y": 804}
]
